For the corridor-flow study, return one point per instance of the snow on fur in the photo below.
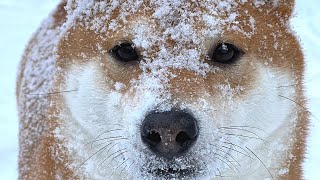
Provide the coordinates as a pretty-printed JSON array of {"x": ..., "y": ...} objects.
[{"x": 177, "y": 21}]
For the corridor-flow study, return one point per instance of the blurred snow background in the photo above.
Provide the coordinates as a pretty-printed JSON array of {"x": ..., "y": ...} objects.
[{"x": 20, "y": 18}]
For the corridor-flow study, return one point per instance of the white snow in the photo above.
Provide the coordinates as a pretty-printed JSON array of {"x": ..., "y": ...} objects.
[
  {"x": 308, "y": 29},
  {"x": 19, "y": 19}
]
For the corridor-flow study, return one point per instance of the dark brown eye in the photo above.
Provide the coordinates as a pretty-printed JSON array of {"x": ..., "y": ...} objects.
[
  {"x": 226, "y": 53},
  {"x": 125, "y": 52}
]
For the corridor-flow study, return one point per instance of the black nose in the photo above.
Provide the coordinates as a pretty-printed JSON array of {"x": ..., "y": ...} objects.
[{"x": 169, "y": 134}]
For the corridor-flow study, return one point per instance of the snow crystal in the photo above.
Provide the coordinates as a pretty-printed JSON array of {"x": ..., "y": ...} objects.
[
  {"x": 252, "y": 23},
  {"x": 118, "y": 86},
  {"x": 259, "y": 3},
  {"x": 283, "y": 171}
]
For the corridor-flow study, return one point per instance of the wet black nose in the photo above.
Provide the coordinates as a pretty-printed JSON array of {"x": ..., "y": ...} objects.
[{"x": 169, "y": 134}]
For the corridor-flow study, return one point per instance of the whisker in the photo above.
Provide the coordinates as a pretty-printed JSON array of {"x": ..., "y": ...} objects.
[
  {"x": 229, "y": 142},
  {"x": 105, "y": 132},
  {"x": 244, "y": 136},
  {"x": 224, "y": 176},
  {"x": 237, "y": 151},
  {"x": 250, "y": 127},
  {"x": 300, "y": 106},
  {"x": 224, "y": 162},
  {"x": 225, "y": 152},
  {"x": 119, "y": 151},
  {"x": 208, "y": 169},
  {"x": 117, "y": 168},
  {"x": 108, "y": 149},
  {"x": 231, "y": 162},
  {"x": 108, "y": 124},
  {"x": 114, "y": 138},
  {"x": 100, "y": 150},
  {"x": 128, "y": 170},
  {"x": 261, "y": 162},
  {"x": 98, "y": 145},
  {"x": 301, "y": 83},
  {"x": 108, "y": 139},
  {"x": 116, "y": 157},
  {"x": 123, "y": 170},
  {"x": 235, "y": 128},
  {"x": 50, "y": 93},
  {"x": 220, "y": 174}
]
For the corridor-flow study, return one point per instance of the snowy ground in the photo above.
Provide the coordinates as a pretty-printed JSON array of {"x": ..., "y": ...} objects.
[{"x": 20, "y": 18}]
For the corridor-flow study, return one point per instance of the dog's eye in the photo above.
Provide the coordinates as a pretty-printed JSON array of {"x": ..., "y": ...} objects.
[
  {"x": 125, "y": 52},
  {"x": 226, "y": 53}
]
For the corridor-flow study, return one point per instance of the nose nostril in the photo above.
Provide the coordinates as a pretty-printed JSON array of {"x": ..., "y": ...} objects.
[
  {"x": 153, "y": 138},
  {"x": 169, "y": 134},
  {"x": 182, "y": 138}
]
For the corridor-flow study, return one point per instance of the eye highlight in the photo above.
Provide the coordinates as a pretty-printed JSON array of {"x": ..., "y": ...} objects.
[
  {"x": 226, "y": 53},
  {"x": 125, "y": 52}
]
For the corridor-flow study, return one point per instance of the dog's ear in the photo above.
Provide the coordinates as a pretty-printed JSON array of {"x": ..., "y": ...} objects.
[
  {"x": 281, "y": 9},
  {"x": 59, "y": 15}
]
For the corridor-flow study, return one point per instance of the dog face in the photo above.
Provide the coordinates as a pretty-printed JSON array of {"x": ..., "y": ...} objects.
[{"x": 179, "y": 89}]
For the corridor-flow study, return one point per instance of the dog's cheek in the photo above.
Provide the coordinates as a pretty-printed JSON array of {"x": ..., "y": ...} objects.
[
  {"x": 252, "y": 95},
  {"x": 92, "y": 92}
]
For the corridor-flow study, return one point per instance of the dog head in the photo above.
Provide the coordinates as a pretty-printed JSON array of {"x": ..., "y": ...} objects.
[{"x": 178, "y": 89}]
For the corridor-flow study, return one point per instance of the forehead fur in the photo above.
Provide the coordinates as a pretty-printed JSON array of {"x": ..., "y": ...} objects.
[
  {"x": 258, "y": 27},
  {"x": 180, "y": 35},
  {"x": 177, "y": 21}
]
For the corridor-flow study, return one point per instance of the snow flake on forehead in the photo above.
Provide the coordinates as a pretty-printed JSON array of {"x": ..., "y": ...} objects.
[
  {"x": 259, "y": 3},
  {"x": 183, "y": 21},
  {"x": 103, "y": 16},
  {"x": 94, "y": 14},
  {"x": 170, "y": 34}
]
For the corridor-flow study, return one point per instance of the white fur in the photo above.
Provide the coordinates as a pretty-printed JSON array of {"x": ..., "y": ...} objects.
[{"x": 97, "y": 107}]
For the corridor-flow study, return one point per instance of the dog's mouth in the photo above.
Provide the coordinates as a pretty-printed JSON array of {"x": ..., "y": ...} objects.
[{"x": 173, "y": 172}]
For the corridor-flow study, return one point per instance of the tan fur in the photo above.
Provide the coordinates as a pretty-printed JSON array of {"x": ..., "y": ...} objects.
[{"x": 36, "y": 160}]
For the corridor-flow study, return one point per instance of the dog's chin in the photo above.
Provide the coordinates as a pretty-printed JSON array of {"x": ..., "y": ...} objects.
[
  {"x": 182, "y": 167},
  {"x": 173, "y": 173}
]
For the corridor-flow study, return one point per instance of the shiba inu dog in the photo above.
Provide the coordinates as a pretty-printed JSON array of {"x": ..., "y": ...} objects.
[{"x": 171, "y": 89}]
